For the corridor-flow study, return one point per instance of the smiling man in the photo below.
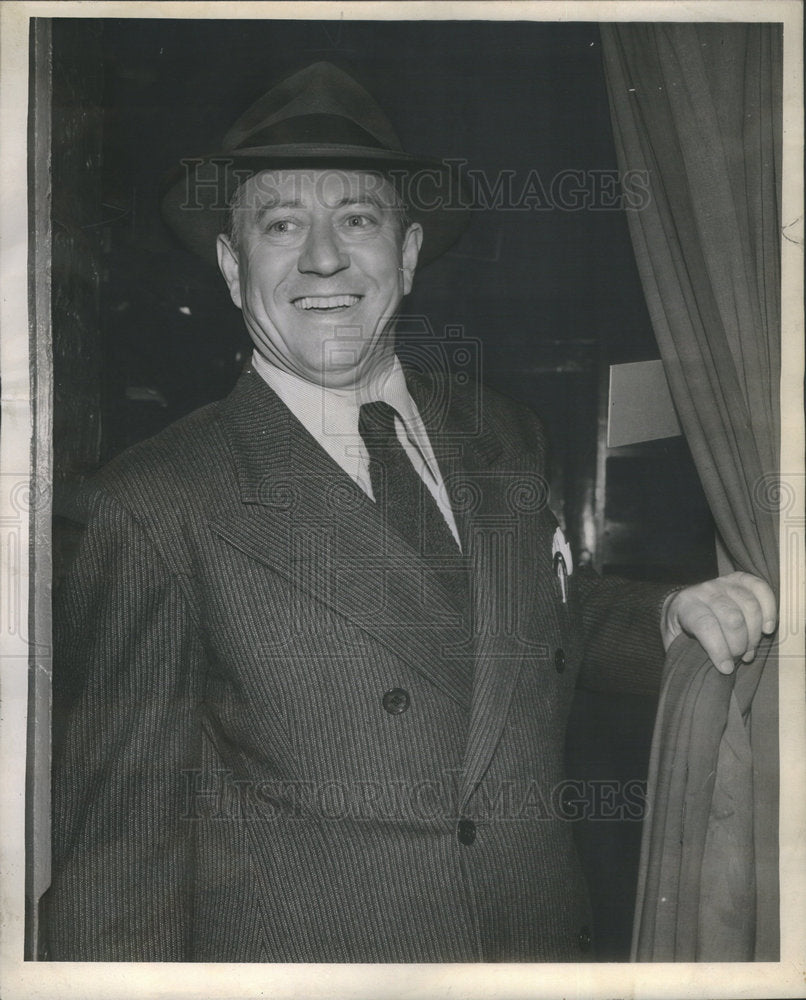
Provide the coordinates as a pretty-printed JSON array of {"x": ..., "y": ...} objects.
[
  {"x": 311, "y": 253},
  {"x": 317, "y": 650}
]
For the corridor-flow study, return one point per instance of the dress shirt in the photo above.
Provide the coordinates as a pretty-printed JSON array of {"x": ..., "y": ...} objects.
[{"x": 331, "y": 417}]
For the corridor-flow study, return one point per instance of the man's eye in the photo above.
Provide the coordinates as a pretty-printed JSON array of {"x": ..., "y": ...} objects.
[
  {"x": 358, "y": 221},
  {"x": 281, "y": 227}
]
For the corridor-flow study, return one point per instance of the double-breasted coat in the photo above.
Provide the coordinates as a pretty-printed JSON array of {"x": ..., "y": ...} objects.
[{"x": 287, "y": 736}]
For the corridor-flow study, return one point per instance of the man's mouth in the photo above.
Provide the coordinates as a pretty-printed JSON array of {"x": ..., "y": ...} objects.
[{"x": 325, "y": 303}]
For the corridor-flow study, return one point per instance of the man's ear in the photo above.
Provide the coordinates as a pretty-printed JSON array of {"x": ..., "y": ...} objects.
[
  {"x": 412, "y": 242},
  {"x": 228, "y": 264}
]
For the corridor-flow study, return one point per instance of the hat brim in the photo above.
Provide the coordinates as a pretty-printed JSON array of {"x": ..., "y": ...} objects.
[{"x": 195, "y": 197}]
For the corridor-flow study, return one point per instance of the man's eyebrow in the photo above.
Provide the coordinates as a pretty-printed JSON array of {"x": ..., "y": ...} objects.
[
  {"x": 273, "y": 203},
  {"x": 348, "y": 200},
  {"x": 367, "y": 199}
]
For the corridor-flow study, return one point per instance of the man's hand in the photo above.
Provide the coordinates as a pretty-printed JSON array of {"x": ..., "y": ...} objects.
[{"x": 727, "y": 616}]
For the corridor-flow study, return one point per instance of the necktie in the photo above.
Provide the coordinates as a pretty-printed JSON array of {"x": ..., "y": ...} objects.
[{"x": 405, "y": 502}]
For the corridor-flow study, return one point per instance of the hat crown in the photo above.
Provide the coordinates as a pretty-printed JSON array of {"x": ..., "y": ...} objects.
[
  {"x": 321, "y": 89},
  {"x": 319, "y": 118}
]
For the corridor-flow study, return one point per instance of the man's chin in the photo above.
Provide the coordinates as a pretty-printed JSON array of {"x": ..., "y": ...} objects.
[
  {"x": 349, "y": 376},
  {"x": 346, "y": 378}
]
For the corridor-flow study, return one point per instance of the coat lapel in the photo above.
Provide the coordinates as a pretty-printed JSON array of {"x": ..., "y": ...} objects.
[
  {"x": 490, "y": 499},
  {"x": 499, "y": 651},
  {"x": 306, "y": 519}
]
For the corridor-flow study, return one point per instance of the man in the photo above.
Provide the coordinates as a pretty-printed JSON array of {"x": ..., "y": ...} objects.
[{"x": 321, "y": 639}]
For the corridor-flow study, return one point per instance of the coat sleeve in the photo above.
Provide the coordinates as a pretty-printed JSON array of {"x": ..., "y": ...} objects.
[
  {"x": 623, "y": 648},
  {"x": 127, "y": 655}
]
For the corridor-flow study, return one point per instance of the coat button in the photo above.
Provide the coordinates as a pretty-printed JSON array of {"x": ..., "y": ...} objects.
[
  {"x": 559, "y": 660},
  {"x": 584, "y": 939},
  {"x": 396, "y": 701},
  {"x": 466, "y": 832}
]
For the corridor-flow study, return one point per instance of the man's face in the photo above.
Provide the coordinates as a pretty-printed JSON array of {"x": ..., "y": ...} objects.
[{"x": 318, "y": 267}]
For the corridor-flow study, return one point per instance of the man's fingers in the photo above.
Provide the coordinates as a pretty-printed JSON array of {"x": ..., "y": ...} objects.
[
  {"x": 757, "y": 602},
  {"x": 766, "y": 600},
  {"x": 727, "y": 616},
  {"x": 733, "y": 624},
  {"x": 702, "y": 623},
  {"x": 752, "y": 614}
]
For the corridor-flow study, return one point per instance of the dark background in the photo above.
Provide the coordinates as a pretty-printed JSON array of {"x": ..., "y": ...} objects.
[{"x": 546, "y": 298}]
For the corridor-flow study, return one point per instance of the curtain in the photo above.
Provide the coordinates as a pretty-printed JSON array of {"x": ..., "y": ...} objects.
[{"x": 697, "y": 107}]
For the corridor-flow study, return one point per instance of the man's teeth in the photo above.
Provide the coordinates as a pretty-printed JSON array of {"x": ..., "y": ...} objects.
[{"x": 326, "y": 301}]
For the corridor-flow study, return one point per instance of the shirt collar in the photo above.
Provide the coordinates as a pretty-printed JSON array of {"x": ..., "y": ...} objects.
[
  {"x": 331, "y": 415},
  {"x": 319, "y": 407}
]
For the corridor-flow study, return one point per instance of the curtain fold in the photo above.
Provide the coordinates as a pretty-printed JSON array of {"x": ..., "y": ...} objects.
[{"x": 697, "y": 107}]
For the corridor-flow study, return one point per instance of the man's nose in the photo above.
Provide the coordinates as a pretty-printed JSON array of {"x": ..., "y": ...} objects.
[{"x": 322, "y": 253}]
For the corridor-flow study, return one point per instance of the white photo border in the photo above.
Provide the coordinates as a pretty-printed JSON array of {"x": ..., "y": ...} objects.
[{"x": 590, "y": 981}]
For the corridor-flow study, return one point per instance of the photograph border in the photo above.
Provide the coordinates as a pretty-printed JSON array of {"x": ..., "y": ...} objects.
[{"x": 25, "y": 507}]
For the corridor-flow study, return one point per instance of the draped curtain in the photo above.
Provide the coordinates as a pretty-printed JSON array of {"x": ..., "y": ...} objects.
[{"x": 697, "y": 108}]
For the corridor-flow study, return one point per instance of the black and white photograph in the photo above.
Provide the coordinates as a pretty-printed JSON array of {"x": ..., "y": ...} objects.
[{"x": 403, "y": 497}]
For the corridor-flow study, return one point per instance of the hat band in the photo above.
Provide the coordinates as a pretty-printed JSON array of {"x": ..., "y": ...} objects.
[{"x": 313, "y": 129}]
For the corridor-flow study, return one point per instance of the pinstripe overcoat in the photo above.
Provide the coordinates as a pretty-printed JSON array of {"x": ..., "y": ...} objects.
[{"x": 285, "y": 738}]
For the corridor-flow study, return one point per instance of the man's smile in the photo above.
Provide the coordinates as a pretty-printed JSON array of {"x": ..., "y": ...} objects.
[{"x": 325, "y": 303}]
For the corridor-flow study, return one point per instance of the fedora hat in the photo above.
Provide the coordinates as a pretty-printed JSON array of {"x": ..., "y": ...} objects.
[{"x": 318, "y": 118}]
